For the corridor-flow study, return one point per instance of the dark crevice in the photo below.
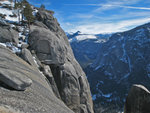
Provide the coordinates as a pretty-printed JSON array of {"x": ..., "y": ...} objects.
[
  {"x": 51, "y": 82},
  {"x": 3, "y": 85},
  {"x": 57, "y": 76}
]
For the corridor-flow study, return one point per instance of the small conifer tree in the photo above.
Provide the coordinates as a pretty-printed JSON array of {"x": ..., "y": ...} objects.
[
  {"x": 27, "y": 12},
  {"x": 42, "y": 6},
  {"x": 11, "y": 0}
]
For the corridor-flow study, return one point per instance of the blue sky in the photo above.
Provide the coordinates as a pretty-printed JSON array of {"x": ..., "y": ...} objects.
[{"x": 98, "y": 16}]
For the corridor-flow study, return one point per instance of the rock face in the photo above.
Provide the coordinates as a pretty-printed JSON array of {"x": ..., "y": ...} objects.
[
  {"x": 17, "y": 74},
  {"x": 8, "y": 73},
  {"x": 27, "y": 56},
  {"x": 8, "y": 35},
  {"x": 41, "y": 76},
  {"x": 122, "y": 61},
  {"x": 47, "y": 50},
  {"x": 53, "y": 49},
  {"x": 138, "y": 100}
]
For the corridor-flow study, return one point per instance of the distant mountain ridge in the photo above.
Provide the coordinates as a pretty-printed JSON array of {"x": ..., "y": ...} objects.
[
  {"x": 121, "y": 61},
  {"x": 86, "y": 46},
  {"x": 113, "y": 65}
]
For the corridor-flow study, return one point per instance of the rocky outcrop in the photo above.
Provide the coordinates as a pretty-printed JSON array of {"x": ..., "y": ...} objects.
[
  {"x": 47, "y": 46},
  {"x": 138, "y": 100},
  {"x": 38, "y": 71},
  {"x": 16, "y": 74},
  {"x": 27, "y": 56},
  {"x": 47, "y": 72},
  {"x": 10, "y": 71},
  {"x": 8, "y": 35},
  {"x": 52, "y": 48}
]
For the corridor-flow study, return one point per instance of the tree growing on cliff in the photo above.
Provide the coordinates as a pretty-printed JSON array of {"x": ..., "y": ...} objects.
[
  {"x": 15, "y": 1},
  {"x": 42, "y": 6},
  {"x": 27, "y": 12}
]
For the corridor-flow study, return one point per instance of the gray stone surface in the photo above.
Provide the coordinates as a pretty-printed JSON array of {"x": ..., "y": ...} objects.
[
  {"x": 5, "y": 35},
  {"x": 47, "y": 45},
  {"x": 8, "y": 73},
  {"x": 15, "y": 36},
  {"x": 40, "y": 24},
  {"x": 48, "y": 19},
  {"x": 27, "y": 56},
  {"x": 47, "y": 72},
  {"x": 58, "y": 86},
  {"x": 3, "y": 22},
  {"x": 8, "y": 109},
  {"x": 8, "y": 35},
  {"x": 138, "y": 100},
  {"x": 24, "y": 45},
  {"x": 52, "y": 48},
  {"x": 38, "y": 98}
]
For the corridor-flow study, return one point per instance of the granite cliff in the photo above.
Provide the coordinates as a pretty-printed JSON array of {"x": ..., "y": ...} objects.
[{"x": 38, "y": 71}]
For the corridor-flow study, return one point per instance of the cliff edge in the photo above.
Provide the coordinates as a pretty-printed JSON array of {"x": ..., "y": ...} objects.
[{"x": 40, "y": 74}]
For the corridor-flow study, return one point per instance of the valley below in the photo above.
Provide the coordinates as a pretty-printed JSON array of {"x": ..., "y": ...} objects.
[{"x": 113, "y": 64}]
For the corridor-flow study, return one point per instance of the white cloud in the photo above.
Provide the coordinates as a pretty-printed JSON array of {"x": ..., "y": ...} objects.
[
  {"x": 95, "y": 28},
  {"x": 68, "y": 24},
  {"x": 131, "y": 7},
  {"x": 109, "y": 6},
  {"x": 94, "y": 22}
]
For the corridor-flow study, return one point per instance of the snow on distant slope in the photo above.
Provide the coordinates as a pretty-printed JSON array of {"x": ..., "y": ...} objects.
[
  {"x": 122, "y": 61},
  {"x": 86, "y": 46},
  {"x": 82, "y": 37}
]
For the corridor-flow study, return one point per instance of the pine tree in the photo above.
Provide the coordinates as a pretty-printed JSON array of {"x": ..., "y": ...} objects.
[
  {"x": 11, "y": 0},
  {"x": 15, "y": 1},
  {"x": 42, "y": 6},
  {"x": 27, "y": 12}
]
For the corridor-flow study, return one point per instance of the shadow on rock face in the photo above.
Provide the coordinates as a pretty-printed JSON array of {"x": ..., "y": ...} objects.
[{"x": 5, "y": 86}]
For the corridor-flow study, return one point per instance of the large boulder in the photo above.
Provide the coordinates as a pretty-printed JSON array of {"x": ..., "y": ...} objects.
[
  {"x": 15, "y": 73},
  {"x": 9, "y": 72},
  {"x": 15, "y": 36},
  {"x": 47, "y": 46},
  {"x": 138, "y": 100},
  {"x": 40, "y": 24},
  {"x": 8, "y": 35},
  {"x": 48, "y": 19},
  {"x": 27, "y": 56}
]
